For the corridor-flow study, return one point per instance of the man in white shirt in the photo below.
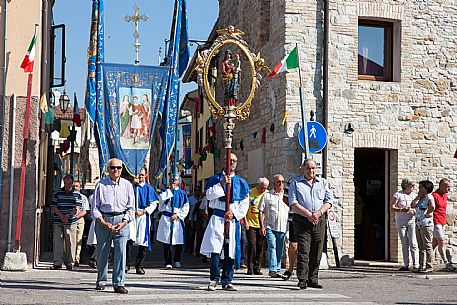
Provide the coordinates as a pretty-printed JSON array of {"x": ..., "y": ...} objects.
[{"x": 273, "y": 223}]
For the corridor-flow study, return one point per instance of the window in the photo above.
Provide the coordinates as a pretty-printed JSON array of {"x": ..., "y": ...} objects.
[{"x": 375, "y": 50}]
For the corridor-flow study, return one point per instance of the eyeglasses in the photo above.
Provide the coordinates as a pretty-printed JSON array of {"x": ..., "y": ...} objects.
[
  {"x": 115, "y": 167},
  {"x": 233, "y": 161}
]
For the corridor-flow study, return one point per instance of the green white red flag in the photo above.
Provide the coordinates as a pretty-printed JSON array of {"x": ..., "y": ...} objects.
[
  {"x": 29, "y": 59},
  {"x": 287, "y": 63}
]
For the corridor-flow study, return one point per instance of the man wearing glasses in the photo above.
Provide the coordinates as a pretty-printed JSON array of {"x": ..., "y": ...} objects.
[
  {"x": 113, "y": 210},
  {"x": 213, "y": 240},
  {"x": 274, "y": 213},
  {"x": 309, "y": 198}
]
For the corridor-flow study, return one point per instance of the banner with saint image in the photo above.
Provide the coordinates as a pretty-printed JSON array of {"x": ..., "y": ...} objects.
[{"x": 134, "y": 101}]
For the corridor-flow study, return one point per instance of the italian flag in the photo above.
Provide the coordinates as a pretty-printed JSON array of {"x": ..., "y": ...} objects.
[
  {"x": 288, "y": 62},
  {"x": 29, "y": 59}
]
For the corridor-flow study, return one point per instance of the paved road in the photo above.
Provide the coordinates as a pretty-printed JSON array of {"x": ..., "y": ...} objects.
[{"x": 357, "y": 285}]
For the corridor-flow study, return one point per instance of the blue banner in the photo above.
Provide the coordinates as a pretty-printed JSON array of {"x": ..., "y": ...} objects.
[
  {"x": 178, "y": 58},
  {"x": 94, "y": 90},
  {"x": 134, "y": 99}
]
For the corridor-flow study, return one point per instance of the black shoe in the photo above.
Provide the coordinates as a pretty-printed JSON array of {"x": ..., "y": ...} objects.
[
  {"x": 99, "y": 287},
  {"x": 286, "y": 276},
  {"x": 315, "y": 285},
  {"x": 93, "y": 264},
  {"x": 121, "y": 289},
  {"x": 55, "y": 267},
  {"x": 302, "y": 284},
  {"x": 257, "y": 272},
  {"x": 274, "y": 275},
  {"x": 69, "y": 267},
  {"x": 249, "y": 272},
  {"x": 140, "y": 271},
  {"x": 76, "y": 264}
]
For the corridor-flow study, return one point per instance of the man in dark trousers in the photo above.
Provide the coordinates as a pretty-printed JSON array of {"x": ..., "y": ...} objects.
[{"x": 310, "y": 198}]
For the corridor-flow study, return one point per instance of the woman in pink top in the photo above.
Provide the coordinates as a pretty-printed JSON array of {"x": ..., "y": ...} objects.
[{"x": 405, "y": 221}]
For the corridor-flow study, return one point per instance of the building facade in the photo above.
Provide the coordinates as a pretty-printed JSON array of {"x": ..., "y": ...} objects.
[
  {"x": 18, "y": 32},
  {"x": 391, "y": 103}
]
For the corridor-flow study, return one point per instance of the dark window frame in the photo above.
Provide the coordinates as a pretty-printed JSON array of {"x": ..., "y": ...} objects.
[
  {"x": 388, "y": 49},
  {"x": 57, "y": 82}
]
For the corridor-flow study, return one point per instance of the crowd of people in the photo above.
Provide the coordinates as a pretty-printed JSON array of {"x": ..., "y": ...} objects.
[
  {"x": 290, "y": 216},
  {"x": 420, "y": 218}
]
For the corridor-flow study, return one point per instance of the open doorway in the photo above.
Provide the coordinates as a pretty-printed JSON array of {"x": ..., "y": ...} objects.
[{"x": 371, "y": 181}]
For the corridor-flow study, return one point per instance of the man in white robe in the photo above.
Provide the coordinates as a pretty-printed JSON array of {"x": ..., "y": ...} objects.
[
  {"x": 174, "y": 207},
  {"x": 146, "y": 201},
  {"x": 213, "y": 241}
]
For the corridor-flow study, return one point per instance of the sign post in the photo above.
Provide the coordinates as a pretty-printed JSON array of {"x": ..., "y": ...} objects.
[{"x": 334, "y": 233}]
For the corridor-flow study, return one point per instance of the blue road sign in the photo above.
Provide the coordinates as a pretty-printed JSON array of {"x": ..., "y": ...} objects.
[{"x": 317, "y": 137}]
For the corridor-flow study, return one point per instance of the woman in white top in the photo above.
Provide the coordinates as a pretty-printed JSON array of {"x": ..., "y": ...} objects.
[{"x": 405, "y": 220}]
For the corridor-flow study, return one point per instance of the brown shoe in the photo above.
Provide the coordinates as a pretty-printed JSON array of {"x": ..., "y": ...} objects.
[
  {"x": 99, "y": 287},
  {"x": 121, "y": 289}
]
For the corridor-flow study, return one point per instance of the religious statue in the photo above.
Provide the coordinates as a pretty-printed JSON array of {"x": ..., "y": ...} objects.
[{"x": 231, "y": 72}]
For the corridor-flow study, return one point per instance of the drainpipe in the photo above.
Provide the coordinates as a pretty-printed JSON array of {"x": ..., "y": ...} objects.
[
  {"x": 3, "y": 110},
  {"x": 325, "y": 81}
]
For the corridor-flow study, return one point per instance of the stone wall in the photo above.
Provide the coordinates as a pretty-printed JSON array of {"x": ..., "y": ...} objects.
[{"x": 412, "y": 117}]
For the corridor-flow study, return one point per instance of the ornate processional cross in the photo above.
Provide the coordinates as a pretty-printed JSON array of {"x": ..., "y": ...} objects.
[{"x": 136, "y": 18}]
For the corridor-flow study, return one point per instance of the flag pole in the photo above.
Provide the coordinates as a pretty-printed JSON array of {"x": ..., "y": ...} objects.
[
  {"x": 303, "y": 109},
  {"x": 23, "y": 163},
  {"x": 73, "y": 137}
]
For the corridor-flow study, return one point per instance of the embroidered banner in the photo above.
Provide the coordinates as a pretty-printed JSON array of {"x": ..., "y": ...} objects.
[{"x": 134, "y": 101}]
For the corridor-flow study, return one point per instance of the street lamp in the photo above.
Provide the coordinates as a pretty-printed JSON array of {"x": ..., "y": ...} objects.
[{"x": 64, "y": 103}]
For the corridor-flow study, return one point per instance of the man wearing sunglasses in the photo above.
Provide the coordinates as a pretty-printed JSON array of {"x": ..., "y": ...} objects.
[
  {"x": 113, "y": 209},
  {"x": 213, "y": 240},
  {"x": 309, "y": 198}
]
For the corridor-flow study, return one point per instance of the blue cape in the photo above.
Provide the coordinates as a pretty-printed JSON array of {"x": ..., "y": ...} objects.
[
  {"x": 239, "y": 188},
  {"x": 146, "y": 195}
]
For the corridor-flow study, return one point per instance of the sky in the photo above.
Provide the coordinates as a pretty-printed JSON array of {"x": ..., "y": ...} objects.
[{"x": 76, "y": 14}]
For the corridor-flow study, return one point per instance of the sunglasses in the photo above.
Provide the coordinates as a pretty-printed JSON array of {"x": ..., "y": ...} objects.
[
  {"x": 115, "y": 167},
  {"x": 280, "y": 182}
]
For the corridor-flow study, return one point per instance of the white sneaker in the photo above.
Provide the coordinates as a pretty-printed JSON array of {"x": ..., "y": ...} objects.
[
  {"x": 169, "y": 266},
  {"x": 178, "y": 265},
  {"x": 212, "y": 285}
]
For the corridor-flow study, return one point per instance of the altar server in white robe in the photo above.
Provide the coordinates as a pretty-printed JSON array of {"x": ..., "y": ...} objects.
[
  {"x": 213, "y": 240},
  {"x": 146, "y": 201},
  {"x": 174, "y": 207}
]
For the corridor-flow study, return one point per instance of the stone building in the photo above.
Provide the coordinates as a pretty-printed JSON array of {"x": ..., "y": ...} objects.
[{"x": 391, "y": 108}]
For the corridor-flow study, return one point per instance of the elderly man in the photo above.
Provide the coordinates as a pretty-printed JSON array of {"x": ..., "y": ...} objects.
[
  {"x": 81, "y": 222},
  {"x": 213, "y": 241},
  {"x": 174, "y": 207},
  {"x": 113, "y": 210},
  {"x": 310, "y": 198},
  {"x": 254, "y": 235},
  {"x": 66, "y": 204},
  {"x": 274, "y": 213}
]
